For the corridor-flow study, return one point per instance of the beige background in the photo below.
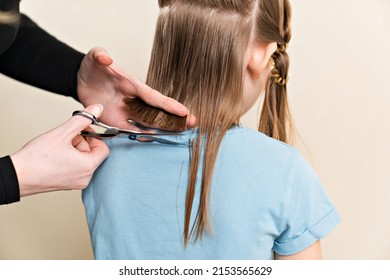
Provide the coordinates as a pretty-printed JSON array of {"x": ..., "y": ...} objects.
[{"x": 340, "y": 96}]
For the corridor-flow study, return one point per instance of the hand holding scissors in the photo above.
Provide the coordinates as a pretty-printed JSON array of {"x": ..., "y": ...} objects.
[{"x": 59, "y": 159}]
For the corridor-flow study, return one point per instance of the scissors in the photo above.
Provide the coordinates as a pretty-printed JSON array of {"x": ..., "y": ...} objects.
[{"x": 113, "y": 132}]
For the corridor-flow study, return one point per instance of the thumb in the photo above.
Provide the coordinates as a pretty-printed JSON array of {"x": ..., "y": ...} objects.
[
  {"x": 78, "y": 123},
  {"x": 100, "y": 56}
]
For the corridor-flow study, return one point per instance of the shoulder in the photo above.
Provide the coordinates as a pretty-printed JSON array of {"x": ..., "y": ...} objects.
[
  {"x": 276, "y": 160},
  {"x": 258, "y": 144},
  {"x": 248, "y": 134}
]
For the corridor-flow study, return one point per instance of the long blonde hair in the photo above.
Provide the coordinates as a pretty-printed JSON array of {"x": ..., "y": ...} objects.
[{"x": 197, "y": 59}]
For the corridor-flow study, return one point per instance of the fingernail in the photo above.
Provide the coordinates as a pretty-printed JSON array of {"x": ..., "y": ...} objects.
[{"x": 185, "y": 112}]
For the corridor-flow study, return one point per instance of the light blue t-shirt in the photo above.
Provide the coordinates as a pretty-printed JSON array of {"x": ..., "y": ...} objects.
[{"x": 265, "y": 198}]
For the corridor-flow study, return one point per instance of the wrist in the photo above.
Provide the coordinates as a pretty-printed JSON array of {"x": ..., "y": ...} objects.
[
  {"x": 25, "y": 180},
  {"x": 20, "y": 174}
]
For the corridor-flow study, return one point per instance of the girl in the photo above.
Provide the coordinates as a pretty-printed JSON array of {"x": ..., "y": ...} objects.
[{"x": 219, "y": 191}]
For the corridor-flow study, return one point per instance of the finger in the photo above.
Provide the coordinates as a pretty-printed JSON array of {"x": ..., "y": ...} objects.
[
  {"x": 100, "y": 56},
  {"x": 156, "y": 99},
  {"x": 149, "y": 95},
  {"x": 77, "y": 123},
  {"x": 191, "y": 121},
  {"x": 81, "y": 144},
  {"x": 99, "y": 150}
]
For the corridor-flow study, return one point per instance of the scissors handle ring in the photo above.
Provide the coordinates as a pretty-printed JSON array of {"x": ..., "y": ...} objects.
[{"x": 85, "y": 115}]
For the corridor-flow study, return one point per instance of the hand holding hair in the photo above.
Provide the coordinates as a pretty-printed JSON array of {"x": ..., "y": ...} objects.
[
  {"x": 102, "y": 81},
  {"x": 60, "y": 159}
]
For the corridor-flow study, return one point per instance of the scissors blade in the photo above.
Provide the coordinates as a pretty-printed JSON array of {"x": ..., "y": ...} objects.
[
  {"x": 114, "y": 134},
  {"x": 112, "y": 131},
  {"x": 141, "y": 137},
  {"x": 98, "y": 134}
]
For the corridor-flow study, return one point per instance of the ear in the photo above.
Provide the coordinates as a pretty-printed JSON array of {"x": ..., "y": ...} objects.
[{"x": 260, "y": 56}]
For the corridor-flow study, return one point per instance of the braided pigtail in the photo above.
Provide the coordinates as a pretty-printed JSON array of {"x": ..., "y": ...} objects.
[{"x": 274, "y": 25}]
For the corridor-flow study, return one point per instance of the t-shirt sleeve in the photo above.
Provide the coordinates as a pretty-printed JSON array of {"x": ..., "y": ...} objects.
[{"x": 310, "y": 214}]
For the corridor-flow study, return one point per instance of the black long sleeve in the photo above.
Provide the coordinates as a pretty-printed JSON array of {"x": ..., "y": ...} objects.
[
  {"x": 31, "y": 55},
  {"x": 39, "y": 59},
  {"x": 9, "y": 187}
]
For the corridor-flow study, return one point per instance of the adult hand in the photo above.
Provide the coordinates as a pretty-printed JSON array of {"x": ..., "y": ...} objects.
[
  {"x": 101, "y": 81},
  {"x": 60, "y": 159}
]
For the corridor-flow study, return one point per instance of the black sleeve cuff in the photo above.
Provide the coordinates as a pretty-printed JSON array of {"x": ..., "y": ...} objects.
[{"x": 9, "y": 185}]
